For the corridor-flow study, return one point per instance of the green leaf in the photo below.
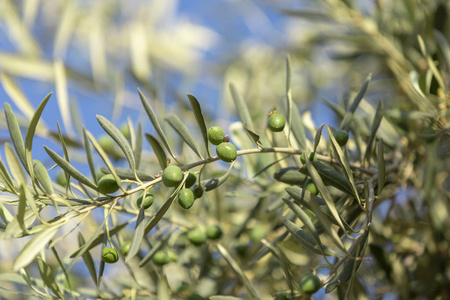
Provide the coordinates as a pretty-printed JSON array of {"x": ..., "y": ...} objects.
[
  {"x": 15, "y": 134},
  {"x": 159, "y": 151},
  {"x": 63, "y": 164},
  {"x": 156, "y": 247},
  {"x": 14, "y": 165},
  {"x": 298, "y": 128},
  {"x": 128, "y": 174},
  {"x": 66, "y": 153},
  {"x": 381, "y": 167},
  {"x": 151, "y": 114},
  {"x": 345, "y": 124},
  {"x": 18, "y": 226},
  {"x": 330, "y": 177},
  {"x": 289, "y": 175},
  {"x": 62, "y": 94},
  {"x": 163, "y": 288},
  {"x": 48, "y": 277},
  {"x": 42, "y": 176},
  {"x": 90, "y": 159},
  {"x": 252, "y": 294},
  {"x": 317, "y": 137},
  {"x": 376, "y": 123},
  {"x": 33, "y": 247},
  {"x": 119, "y": 138},
  {"x": 6, "y": 179},
  {"x": 288, "y": 93},
  {"x": 241, "y": 107},
  {"x": 138, "y": 147},
  {"x": 220, "y": 297},
  {"x": 30, "y": 135},
  {"x": 138, "y": 235},
  {"x": 197, "y": 110},
  {"x": 87, "y": 258},
  {"x": 280, "y": 256},
  {"x": 254, "y": 136},
  {"x": 183, "y": 132}
]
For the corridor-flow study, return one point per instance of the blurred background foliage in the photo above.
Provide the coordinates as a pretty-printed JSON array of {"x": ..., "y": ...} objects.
[{"x": 93, "y": 55}]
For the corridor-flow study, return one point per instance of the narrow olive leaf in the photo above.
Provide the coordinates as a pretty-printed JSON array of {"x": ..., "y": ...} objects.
[
  {"x": 305, "y": 240},
  {"x": 119, "y": 138},
  {"x": 42, "y": 176},
  {"x": 376, "y": 123},
  {"x": 66, "y": 153},
  {"x": 163, "y": 288},
  {"x": 279, "y": 255},
  {"x": 317, "y": 137},
  {"x": 17, "y": 95},
  {"x": 30, "y": 135},
  {"x": 159, "y": 151},
  {"x": 48, "y": 277},
  {"x": 289, "y": 93},
  {"x": 344, "y": 163},
  {"x": 289, "y": 175},
  {"x": 254, "y": 136},
  {"x": 63, "y": 164},
  {"x": 298, "y": 128},
  {"x": 14, "y": 165},
  {"x": 156, "y": 247},
  {"x": 183, "y": 132},
  {"x": 330, "y": 177},
  {"x": 138, "y": 235},
  {"x": 241, "y": 107},
  {"x": 252, "y": 294},
  {"x": 33, "y": 247},
  {"x": 381, "y": 167},
  {"x": 5, "y": 215},
  {"x": 151, "y": 114},
  {"x": 6, "y": 179},
  {"x": 105, "y": 158},
  {"x": 98, "y": 238},
  {"x": 327, "y": 197},
  {"x": 345, "y": 124},
  {"x": 128, "y": 174},
  {"x": 220, "y": 297},
  {"x": 90, "y": 159},
  {"x": 138, "y": 147},
  {"x": 63, "y": 95},
  {"x": 24, "y": 190},
  {"x": 345, "y": 271},
  {"x": 87, "y": 258},
  {"x": 309, "y": 226},
  {"x": 24, "y": 218},
  {"x": 216, "y": 182},
  {"x": 197, "y": 110}
]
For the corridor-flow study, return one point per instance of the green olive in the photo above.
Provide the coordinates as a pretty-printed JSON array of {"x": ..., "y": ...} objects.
[
  {"x": 173, "y": 256},
  {"x": 310, "y": 283},
  {"x": 257, "y": 233},
  {"x": 172, "y": 176},
  {"x": 125, "y": 248},
  {"x": 110, "y": 255},
  {"x": 341, "y": 137},
  {"x": 161, "y": 258},
  {"x": 226, "y": 152},
  {"x": 190, "y": 180},
  {"x": 196, "y": 236},
  {"x": 311, "y": 187},
  {"x": 125, "y": 130},
  {"x": 216, "y": 135},
  {"x": 276, "y": 123},
  {"x": 198, "y": 192},
  {"x": 107, "y": 143},
  {"x": 312, "y": 157},
  {"x": 148, "y": 201},
  {"x": 61, "y": 179},
  {"x": 107, "y": 184},
  {"x": 213, "y": 232},
  {"x": 185, "y": 198}
]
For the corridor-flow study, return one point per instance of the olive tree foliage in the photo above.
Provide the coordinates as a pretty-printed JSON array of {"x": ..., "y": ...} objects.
[{"x": 368, "y": 216}]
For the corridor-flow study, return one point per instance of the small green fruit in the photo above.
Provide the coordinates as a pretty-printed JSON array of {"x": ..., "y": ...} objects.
[
  {"x": 125, "y": 248},
  {"x": 173, "y": 256},
  {"x": 276, "y": 123},
  {"x": 196, "y": 236},
  {"x": 172, "y": 176},
  {"x": 311, "y": 187},
  {"x": 257, "y": 233},
  {"x": 226, "y": 152},
  {"x": 107, "y": 184},
  {"x": 161, "y": 258},
  {"x": 216, "y": 135},
  {"x": 107, "y": 143},
  {"x": 198, "y": 192},
  {"x": 61, "y": 179},
  {"x": 310, "y": 283},
  {"x": 110, "y": 255},
  {"x": 213, "y": 232},
  {"x": 311, "y": 156},
  {"x": 190, "y": 180},
  {"x": 148, "y": 201},
  {"x": 125, "y": 131},
  {"x": 341, "y": 137},
  {"x": 186, "y": 198}
]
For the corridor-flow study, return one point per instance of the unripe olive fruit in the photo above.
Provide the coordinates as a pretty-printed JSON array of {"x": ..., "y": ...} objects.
[
  {"x": 107, "y": 143},
  {"x": 310, "y": 283},
  {"x": 148, "y": 201},
  {"x": 125, "y": 131},
  {"x": 311, "y": 187},
  {"x": 173, "y": 256},
  {"x": 172, "y": 176},
  {"x": 257, "y": 233},
  {"x": 213, "y": 232},
  {"x": 196, "y": 236},
  {"x": 198, "y": 192},
  {"x": 125, "y": 248},
  {"x": 185, "y": 198},
  {"x": 161, "y": 258},
  {"x": 110, "y": 255},
  {"x": 61, "y": 179},
  {"x": 107, "y": 184},
  {"x": 216, "y": 135},
  {"x": 190, "y": 180},
  {"x": 226, "y": 152},
  {"x": 276, "y": 122},
  {"x": 312, "y": 157},
  {"x": 341, "y": 137}
]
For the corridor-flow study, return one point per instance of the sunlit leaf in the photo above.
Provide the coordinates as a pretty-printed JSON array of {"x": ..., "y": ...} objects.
[
  {"x": 197, "y": 110},
  {"x": 182, "y": 130},
  {"x": 241, "y": 107},
  {"x": 159, "y": 151},
  {"x": 87, "y": 258},
  {"x": 48, "y": 277}
]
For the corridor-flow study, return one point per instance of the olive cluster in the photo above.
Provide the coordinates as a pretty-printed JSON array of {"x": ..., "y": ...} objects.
[
  {"x": 172, "y": 176},
  {"x": 225, "y": 150}
]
